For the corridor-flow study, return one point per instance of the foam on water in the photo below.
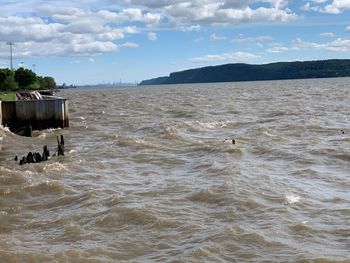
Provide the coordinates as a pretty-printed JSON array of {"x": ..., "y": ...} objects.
[
  {"x": 56, "y": 166},
  {"x": 292, "y": 199}
]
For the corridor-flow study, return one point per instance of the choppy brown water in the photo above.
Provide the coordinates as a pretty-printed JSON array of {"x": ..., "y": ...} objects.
[{"x": 149, "y": 177}]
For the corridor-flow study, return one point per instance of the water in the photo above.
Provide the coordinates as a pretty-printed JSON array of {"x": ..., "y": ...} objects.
[{"x": 151, "y": 175}]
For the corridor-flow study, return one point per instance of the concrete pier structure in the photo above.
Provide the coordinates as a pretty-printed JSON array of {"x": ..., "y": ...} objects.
[{"x": 48, "y": 112}]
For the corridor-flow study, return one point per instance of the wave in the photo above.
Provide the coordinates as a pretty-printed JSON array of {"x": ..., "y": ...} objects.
[{"x": 120, "y": 216}]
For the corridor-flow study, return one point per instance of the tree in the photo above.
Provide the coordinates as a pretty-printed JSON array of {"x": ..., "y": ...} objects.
[
  {"x": 49, "y": 83},
  {"x": 9, "y": 84},
  {"x": 24, "y": 77},
  {"x": 7, "y": 80}
]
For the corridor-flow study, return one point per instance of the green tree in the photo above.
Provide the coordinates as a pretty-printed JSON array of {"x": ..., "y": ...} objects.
[
  {"x": 49, "y": 83},
  {"x": 10, "y": 84},
  {"x": 24, "y": 77},
  {"x": 7, "y": 80}
]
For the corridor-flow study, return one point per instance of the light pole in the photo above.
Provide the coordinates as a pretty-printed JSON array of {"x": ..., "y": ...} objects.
[
  {"x": 33, "y": 67},
  {"x": 10, "y": 44}
]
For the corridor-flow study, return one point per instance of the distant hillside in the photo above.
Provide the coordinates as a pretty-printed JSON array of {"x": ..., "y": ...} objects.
[{"x": 246, "y": 72}]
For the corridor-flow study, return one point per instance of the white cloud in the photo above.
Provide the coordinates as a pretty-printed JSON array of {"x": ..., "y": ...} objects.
[
  {"x": 251, "y": 40},
  {"x": 131, "y": 15},
  {"x": 338, "y": 45},
  {"x": 152, "y": 36},
  {"x": 69, "y": 32},
  {"x": 92, "y": 27},
  {"x": 307, "y": 45},
  {"x": 185, "y": 12},
  {"x": 191, "y": 28},
  {"x": 327, "y": 34},
  {"x": 337, "y": 6},
  {"x": 278, "y": 49},
  {"x": 216, "y": 37},
  {"x": 331, "y": 7},
  {"x": 347, "y": 29},
  {"x": 226, "y": 57},
  {"x": 129, "y": 45}
]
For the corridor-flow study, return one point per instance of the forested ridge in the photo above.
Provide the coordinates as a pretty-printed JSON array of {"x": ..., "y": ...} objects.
[{"x": 247, "y": 72}]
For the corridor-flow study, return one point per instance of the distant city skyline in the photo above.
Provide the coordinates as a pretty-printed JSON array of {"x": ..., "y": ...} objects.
[{"x": 96, "y": 41}]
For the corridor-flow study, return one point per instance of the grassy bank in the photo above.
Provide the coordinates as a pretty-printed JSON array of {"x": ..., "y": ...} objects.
[{"x": 7, "y": 95}]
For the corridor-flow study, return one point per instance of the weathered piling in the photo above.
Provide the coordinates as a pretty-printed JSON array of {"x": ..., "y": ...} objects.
[
  {"x": 35, "y": 157},
  {"x": 60, "y": 146}
]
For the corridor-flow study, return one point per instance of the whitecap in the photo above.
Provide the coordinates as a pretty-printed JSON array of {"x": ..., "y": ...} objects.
[
  {"x": 292, "y": 199},
  {"x": 28, "y": 172},
  {"x": 55, "y": 167},
  {"x": 6, "y": 129},
  {"x": 208, "y": 125}
]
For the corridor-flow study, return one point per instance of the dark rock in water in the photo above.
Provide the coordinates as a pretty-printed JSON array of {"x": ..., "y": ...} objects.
[
  {"x": 16, "y": 158},
  {"x": 233, "y": 141}
]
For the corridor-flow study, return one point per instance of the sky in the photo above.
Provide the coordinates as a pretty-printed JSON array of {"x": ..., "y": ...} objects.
[{"x": 104, "y": 41}]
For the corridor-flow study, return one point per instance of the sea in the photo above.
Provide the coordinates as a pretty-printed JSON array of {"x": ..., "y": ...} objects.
[{"x": 219, "y": 172}]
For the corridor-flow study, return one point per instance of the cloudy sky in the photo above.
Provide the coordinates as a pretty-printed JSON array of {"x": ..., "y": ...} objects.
[{"x": 96, "y": 41}]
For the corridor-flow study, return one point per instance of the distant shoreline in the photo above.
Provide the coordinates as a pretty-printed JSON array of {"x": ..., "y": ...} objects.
[{"x": 246, "y": 72}]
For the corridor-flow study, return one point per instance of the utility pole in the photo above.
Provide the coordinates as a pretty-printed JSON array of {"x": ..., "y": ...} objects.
[
  {"x": 10, "y": 44},
  {"x": 33, "y": 67}
]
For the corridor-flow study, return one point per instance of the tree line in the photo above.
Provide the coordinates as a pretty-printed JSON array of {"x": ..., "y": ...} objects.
[{"x": 24, "y": 79}]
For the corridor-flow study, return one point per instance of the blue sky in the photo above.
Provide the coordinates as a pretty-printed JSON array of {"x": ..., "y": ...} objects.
[{"x": 96, "y": 41}]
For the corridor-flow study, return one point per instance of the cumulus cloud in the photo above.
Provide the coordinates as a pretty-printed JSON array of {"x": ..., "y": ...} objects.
[
  {"x": 182, "y": 12},
  {"x": 152, "y": 36},
  {"x": 226, "y": 57},
  {"x": 331, "y": 7},
  {"x": 68, "y": 32},
  {"x": 338, "y": 45},
  {"x": 92, "y": 27},
  {"x": 131, "y": 15}
]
